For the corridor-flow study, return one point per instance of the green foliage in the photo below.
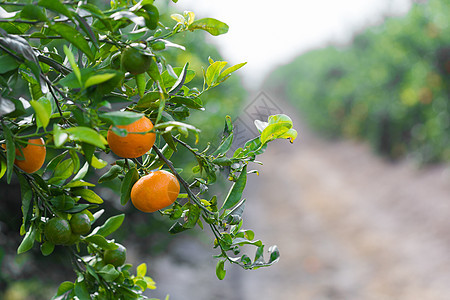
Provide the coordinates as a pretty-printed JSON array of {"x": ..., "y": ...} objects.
[
  {"x": 390, "y": 87},
  {"x": 65, "y": 55}
]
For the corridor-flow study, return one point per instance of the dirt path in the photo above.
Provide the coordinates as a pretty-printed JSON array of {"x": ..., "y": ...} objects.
[{"x": 348, "y": 224}]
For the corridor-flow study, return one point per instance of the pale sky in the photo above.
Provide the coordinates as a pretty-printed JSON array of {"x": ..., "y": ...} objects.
[{"x": 269, "y": 33}]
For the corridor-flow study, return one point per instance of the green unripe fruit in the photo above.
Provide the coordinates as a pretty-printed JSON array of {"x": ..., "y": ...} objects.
[
  {"x": 80, "y": 223},
  {"x": 115, "y": 257},
  {"x": 57, "y": 231},
  {"x": 158, "y": 45},
  {"x": 73, "y": 239},
  {"x": 134, "y": 61}
]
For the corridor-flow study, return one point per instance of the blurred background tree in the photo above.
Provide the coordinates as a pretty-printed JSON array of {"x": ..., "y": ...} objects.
[{"x": 390, "y": 86}]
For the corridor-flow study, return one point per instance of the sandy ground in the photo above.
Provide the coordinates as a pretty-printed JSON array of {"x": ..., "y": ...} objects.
[{"x": 349, "y": 225}]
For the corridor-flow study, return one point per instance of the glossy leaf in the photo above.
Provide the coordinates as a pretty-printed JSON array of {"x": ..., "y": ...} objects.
[
  {"x": 98, "y": 78},
  {"x": 81, "y": 290},
  {"x": 227, "y": 72},
  {"x": 88, "y": 195},
  {"x": 43, "y": 110},
  {"x": 87, "y": 135},
  {"x": 64, "y": 287},
  {"x": 57, "y": 6},
  {"x": 127, "y": 184},
  {"x": 109, "y": 273},
  {"x": 211, "y": 25},
  {"x": 220, "y": 269},
  {"x": 47, "y": 248},
  {"x": 111, "y": 225},
  {"x": 8, "y": 63},
  {"x": 235, "y": 193},
  {"x": 276, "y": 127},
  {"x": 74, "y": 37},
  {"x": 28, "y": 241},
  {"x": 112, "y": 173},
  {"x": 121, "y": 117},
  {"x": 100, "y": 241}
]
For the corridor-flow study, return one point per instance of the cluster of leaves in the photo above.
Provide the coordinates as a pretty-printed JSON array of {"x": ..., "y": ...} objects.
[
  {"x": 63, "y": 78},
  {"x": 390, "y": 86}
]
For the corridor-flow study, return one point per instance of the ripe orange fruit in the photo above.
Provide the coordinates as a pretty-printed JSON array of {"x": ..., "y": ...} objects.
[
  {"x": 33, "y": 155},
  {"x": 134, "y": 144},
  {"x": 155, "y": 191}
]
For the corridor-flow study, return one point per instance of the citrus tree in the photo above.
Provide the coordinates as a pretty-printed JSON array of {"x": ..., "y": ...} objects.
[{"x": 80, "y": 86}]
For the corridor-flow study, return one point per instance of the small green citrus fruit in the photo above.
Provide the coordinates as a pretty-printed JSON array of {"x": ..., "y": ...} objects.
[
  {"x": 57, "y": 231},
  {"x": 115, "y": 257},
  {"x": 80, "y": 223}
]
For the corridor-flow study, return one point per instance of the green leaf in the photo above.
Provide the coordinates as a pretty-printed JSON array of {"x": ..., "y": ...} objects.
[
  {"x": 59, "y": 136},
  {"x": 75, "y": 69},
  {"x": 82, "y": 172},
  {"x": 235, "y": 193},
  {"x": 291, "y": 134},
  {"x": 33, "y": 13},
  {"x": 43, "y": 110},
  {"x": 243, "y": 241},
  {"x": 63, "y": 202},
  {"x": 275, "y": 128},
  {"x": 57, "y": 6},
  {"x": 213, "y": 72},
  {"x": 74, "y": 37},
  {"x": 177, "y": 227},
  {"x": 180, "y": 80},
  {"x": 28, "y": 241},
  {"x": 109, "y": 273},
  {"x": 141, "y": 270},
  {"x": 64, "y": 287},
  {"x": 26, "y": 194},
  {"x": 10, "y": 152},
  {"x": 47, "y": 248},
  {"x": 87, "y": 135},
  {"x": 140, "y": 83},
  {"x": 8, "y": 63},
  {"x": 3, "y": 167},
  {"x": 192, "y": 215},
  {"x": 121, "y": 117},
  {"x": 224, "y": 146},
  {"x": 100, "y": 241},
  {"x": 79, "y": 183},
  {"x": 98, "y": 163},
  {"x": 87, "y": 29},
  {"x": 148, "y": 100},
  {"x": 189, "y": 102},
  {"x": 111, "y": 225},
  {"x": 211, "y": 25},
  {"x": 63, "y": 171},
  {"x": 127, "y": 184},
  {"x": 88, "y": 195},
  {"x": 227, "y": 72},
  {"x": 81, "y": 290},
  {"x": 169, "y": 80},
  {"x": 112, "y": 173},
  {"x": 220, "y": 269},
  {"x": 97, "y": 79}
]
